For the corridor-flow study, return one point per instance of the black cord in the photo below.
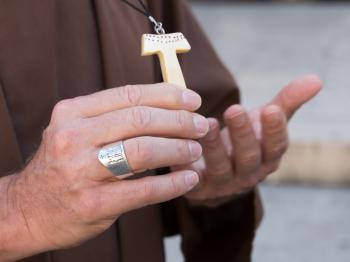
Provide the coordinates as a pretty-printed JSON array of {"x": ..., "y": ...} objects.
[
  {"x": 158, "y": 27},
  {"x": 145, "y": 10}
]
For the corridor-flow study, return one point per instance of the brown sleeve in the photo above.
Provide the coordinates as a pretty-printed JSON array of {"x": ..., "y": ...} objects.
[
  {"x": 225, "y": 233},
  {"x": 10, "y": 154}
]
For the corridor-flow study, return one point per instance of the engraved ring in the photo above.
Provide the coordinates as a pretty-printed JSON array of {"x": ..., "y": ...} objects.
[{"x": 114, "y": 158}]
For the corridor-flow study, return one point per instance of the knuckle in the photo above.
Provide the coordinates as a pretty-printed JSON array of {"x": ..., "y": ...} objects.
[
  {"x": 174, "y": 96},
  {"x": 62, "y": 107},
  {"x": 190, "y": 150},
  {"x": 182, "y": 149},
  {"x": 133, "y": 94},
  {"x": 174, "y": 186},
  {"x": 250, "y": 159},
  {"x": 143, "y": 152},
  {"x": 47, "y": 133},
  {"x": 181, "y": 119},
  {"x": 212, "y": 146},
  {"x": 177, "y": 98},
  {"x": 141, "y": 117},
  {"x": 62, "y": 139},
  {"x": 244, "y": 132},
  {"x": 148, "y": 190}
]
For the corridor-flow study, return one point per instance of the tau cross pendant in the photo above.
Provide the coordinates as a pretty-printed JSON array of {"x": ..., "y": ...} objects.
[{"x": 167, "y": 46}]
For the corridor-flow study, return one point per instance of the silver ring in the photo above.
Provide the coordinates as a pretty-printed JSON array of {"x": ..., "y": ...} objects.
[{"x": 114, "y": 158}]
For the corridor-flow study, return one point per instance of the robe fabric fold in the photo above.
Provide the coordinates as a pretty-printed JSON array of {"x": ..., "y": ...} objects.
[{"x": 56, "y": 49}]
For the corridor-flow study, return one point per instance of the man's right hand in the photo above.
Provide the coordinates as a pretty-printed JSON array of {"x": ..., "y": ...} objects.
[{"x": 65, "y": 196}]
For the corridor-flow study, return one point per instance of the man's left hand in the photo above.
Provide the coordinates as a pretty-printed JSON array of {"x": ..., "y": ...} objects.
[{"x": 250, "y": 147}]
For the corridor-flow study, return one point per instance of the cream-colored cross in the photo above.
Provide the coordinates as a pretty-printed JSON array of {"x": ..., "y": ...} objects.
[{"x": 167, "y": 46}]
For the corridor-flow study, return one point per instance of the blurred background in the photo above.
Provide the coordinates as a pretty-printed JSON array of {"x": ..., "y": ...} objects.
[{"x": 265, "y": 44}]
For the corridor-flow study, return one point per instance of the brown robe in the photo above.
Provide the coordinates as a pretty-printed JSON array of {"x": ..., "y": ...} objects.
[{"x": 56, "y": 49}]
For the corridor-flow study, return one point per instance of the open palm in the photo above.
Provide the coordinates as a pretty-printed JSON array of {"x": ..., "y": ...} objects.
[{"x": 249, "y": 148}]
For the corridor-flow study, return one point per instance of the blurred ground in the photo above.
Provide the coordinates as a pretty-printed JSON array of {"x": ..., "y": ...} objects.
[
  {"x": 265, "y": 46},
  {"x": 301, "y": 224},
  {"x": 304, "y": 224}
]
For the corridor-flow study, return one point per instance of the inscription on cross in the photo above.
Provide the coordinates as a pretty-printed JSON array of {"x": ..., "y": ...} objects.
[{"x": 167, "y": 46}]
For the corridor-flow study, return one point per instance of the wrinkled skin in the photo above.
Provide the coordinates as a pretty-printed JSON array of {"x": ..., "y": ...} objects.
[{"x": 65, "y": 196}]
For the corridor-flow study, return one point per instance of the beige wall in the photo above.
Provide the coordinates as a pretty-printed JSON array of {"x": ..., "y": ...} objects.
[{"x": 318, "y": 163}]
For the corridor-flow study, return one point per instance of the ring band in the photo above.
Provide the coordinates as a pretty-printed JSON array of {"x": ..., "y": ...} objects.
[{"x": 114, "y": 158}]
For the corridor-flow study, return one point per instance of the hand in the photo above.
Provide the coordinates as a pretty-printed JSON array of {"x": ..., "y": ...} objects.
[
  {"x": 250, "y": 148},
  {"x": 65, "y": 196}
]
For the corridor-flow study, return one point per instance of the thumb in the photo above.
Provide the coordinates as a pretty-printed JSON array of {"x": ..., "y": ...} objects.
[
  {"x": 297, "y": 93},
  {"x": 128, "y": 195}
]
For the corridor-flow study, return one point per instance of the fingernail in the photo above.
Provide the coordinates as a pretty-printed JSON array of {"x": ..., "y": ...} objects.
[
  {"x": 195, "y": 149},
  {"x": 239, "y": 120},
  {"x": 274, "y": 118},
  {"x": 214, "y": 131},
  {"x": 191, "y": 179},
  {"x": 201, "y": 124},
  {"x": 191, "y": 99}
]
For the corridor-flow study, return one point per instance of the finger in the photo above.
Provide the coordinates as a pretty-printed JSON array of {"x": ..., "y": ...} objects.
[
  {"x": 155, "y": 152},
  {"x": 247, "y": 151},
  {"x": 144, "y": 121},
  {"x": 128, "y": 195},
  {"x": 145, "y": 153},
  {"x": 218, "y": 163},
  {"x": 297, "y": 93},
  {"x": 274, "y": 133},
  {"x": 157, "y": 95},
  {"x": 198, "y": 167}
]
